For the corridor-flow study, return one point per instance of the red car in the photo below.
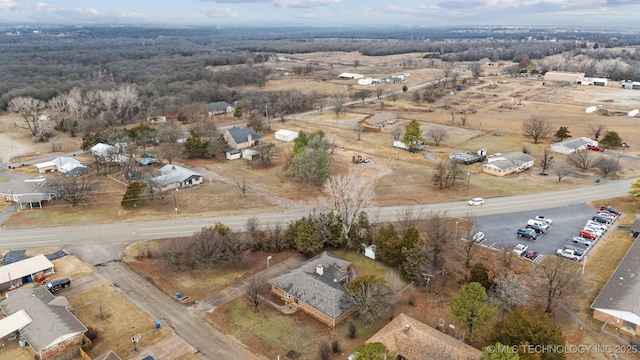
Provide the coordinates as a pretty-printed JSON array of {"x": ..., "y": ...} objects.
[
  {"x": 595, "y": 148},
  {"x": 588, "y": 234},
  {"x": 607, "y": 212},
  {"x": 531, "y": 255}
]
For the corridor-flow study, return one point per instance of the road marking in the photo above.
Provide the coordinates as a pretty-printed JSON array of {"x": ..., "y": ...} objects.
[
  {"x": 28, "y": 237},
  {"x": 31, "y": 243}
]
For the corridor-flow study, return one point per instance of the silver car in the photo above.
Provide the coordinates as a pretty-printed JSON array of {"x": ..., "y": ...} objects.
[{"x": 582, "y": 241}]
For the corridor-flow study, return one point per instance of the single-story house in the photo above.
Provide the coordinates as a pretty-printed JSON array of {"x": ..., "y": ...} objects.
[
  {"x": 509, "y": 163},
  {"x": 175, "y": 176},
  {"x": 410, "y": 339},
  {"x": 565, "y": 76},
  {"x": 635, "y": 85},
  {"x": 377, "y": 121},
  {"x": 617, "y": 304},
  {"x": 286, "y": 135},
  {"x": 241, "y": 138},
  {"x": 63, "y": 164},
  {"x": 569, "y": 146},
  {"x": 234, "y": 154},
  {"x": 24, "y": 271},
  {"x": 54, "y": 332},
  {"x": 28, "y": 192},
  {"x": 219, "y": 108},
  {"x": 317, "y": 288}
]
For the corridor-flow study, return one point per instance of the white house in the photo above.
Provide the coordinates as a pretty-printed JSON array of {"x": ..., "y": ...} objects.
[
  {"x": 286, "y": 135},
  {"x": 569, "y": 146},
  {"x": 63, "y": 164}
]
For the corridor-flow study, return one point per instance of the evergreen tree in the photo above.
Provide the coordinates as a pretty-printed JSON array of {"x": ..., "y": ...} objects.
[
  {"x": 562, "y": 133},
  {"x": 611, "y": 139},
  {"x": 635, "y": 190},
  {"x": 471, "y": 309},
  {"x": 412, "y": 134},
  {"x": 132, "y": 195},
  {"x": 372, "y": 351},
  {"x": 304, "y": 234},
  {"x": 499, "y": 352}
]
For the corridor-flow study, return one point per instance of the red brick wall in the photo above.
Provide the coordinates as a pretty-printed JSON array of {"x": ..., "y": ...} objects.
[
  {"x": 311, "y": 310},
  {"x": 63, "y": 347},
  {"x": 613, "y": 321}
]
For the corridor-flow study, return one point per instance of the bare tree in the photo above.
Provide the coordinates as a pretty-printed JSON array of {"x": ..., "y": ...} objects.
[
  {"x": 339, "y": 96},
  {"x": 509, "y": 292},
  {"x": 437, "y": 236},
  {"x": 170, "y": 151},
  {"x": 371, "y": 295},
  {"x": 74, "y": 189},
  {"x": 536, "y": 128},
  {"x": 397, "y": 132},
  {"x": 28, "y": 108},
  {"x": 596, "y": 130},
  {"x": 172, "y": 253},
  {"x": 608, "y": 165},
  {"x": 561, "y": 173},
  {"x": 467, "y": 246},
  {"x": 581, "y": 160},
  {"x": 408, "y": 217},
  {"x": 242, "y": 185},
  {"x": 476, "y": 69},
  {"x": 546, "y": 160},
  {"x": 437, "y": 134},
  {"x": 255, "y": 292},
  {"x": 557, "y": 279},
  {"x": 347, "y": 196}
]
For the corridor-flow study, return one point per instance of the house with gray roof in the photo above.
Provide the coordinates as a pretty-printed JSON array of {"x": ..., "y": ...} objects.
[
  {"x": 617, "y": 304},
  {"x": 53, "y": 331},
  {"x": 175, "y": 176},
  {"x": 28, "y": 193},
  {"x": 506, "y": 164},
  {"x": 569, "y": 146},
  {"x": 241, "y": 138},
  {"x": 63, "y": 164},
  {"x": 219, "y": 108},
  {"x": 317, "y": 288}
]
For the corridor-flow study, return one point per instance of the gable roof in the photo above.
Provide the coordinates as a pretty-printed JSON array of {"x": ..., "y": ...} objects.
[
  {"x": 575, "y": 144},
  {"x": 622, "y": 290},
  {"x": 31, "y": 187},
  {"x": 14, "y": 322},
  {"x": 241, "y": 135},
  {"x": 24, "y": 268},
  {"x": 101, "y": 149},
  {"x": 379, "y": 118},
  {"x": 509, "y": 160},
  {"x": 108, "y": 356},
  {"x": 414, "y": 340},
  {"x": 172, "y": 174},
  {"x": 218, "y": 106},
  {"x": 323, "y": 292},
  {"x": 52, "y": 321}
]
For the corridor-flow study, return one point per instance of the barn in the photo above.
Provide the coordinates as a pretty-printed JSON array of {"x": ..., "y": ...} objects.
[{"x": 565, "y": 76}]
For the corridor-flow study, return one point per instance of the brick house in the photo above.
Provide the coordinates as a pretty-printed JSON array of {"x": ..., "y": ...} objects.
[
  {"x": 375, "y": 122},
  {"x": 241, "y": 138},
  {"x": 53, "y": 332},
  {"x": 617, "y": 304},
  {"x": 317, "y": 288}
]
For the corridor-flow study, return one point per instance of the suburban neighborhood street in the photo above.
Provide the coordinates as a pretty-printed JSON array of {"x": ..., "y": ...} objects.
[{"x": 101, "y": 246}]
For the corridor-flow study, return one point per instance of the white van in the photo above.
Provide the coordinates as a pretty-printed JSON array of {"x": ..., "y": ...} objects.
[{"x": 543, "y": 224}]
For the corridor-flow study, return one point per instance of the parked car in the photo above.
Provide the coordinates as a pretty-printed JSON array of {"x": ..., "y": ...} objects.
[
  {"x": 520, "y": 249},
  {"x": 607, "y": 213},
  {"x": 602, "y": 219},
  {"x": 56, "y": 285},
  {"x": 582, "y": 241},
  {"x": 527, "y": 233},
  {"x": 611, "y": 209},
  {"x": 537, "y": 228},
  {"x": 595, "y": 148},
  {"x": 476, "y": 201},
  {"x": 531, "y": 255},
  {"x": 539, "y": 223},
  {"x": 598, "y": 231},
  {"x": 569, "y": 254},
  {"x": 545, "y": 219},
  {"x": 596, "y": 224},
  {"x": 478, "y": 237},
  {"x": 588, "y": 234}
]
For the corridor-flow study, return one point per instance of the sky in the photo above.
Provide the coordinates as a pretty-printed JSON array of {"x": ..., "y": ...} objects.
[{"x": 323, "y": 13}]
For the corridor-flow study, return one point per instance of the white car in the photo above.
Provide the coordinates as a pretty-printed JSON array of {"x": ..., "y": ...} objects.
[
  {"x": 520, "y": 249},
  {"x": 545, "y": 219},
  {"x": 478, "y": 237},
  {"x": 476, "y": 201}
]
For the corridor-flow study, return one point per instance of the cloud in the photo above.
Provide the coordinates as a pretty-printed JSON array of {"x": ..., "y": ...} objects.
[
  {"x": 282, "y": 3},
  {"x": 218, "y": 13},
  {"x": 8, "y": 5}
]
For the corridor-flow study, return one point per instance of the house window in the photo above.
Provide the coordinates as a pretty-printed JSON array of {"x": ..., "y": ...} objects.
[
  {"x": 630, "y": 325},
  {"x": 287, "y": 295},
  {"x": 54, "y": 346}
]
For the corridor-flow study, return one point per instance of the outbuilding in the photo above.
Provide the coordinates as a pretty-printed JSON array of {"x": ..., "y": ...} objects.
[
  {"x": 286, "y": 135},
  {"x": 23, "y": 271}
]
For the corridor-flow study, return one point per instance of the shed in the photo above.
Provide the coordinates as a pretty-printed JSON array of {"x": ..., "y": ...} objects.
[
  {"x": 19, "y": 272},
  {"x": 370, "y": 252},
  {"x": 286, "y": 135},
  {"x": 249, "y": 154},
  {"x": 234, "y": 154}
]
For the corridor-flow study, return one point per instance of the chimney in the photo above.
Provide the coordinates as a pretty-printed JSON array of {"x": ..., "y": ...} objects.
[{"x": 319, "y": 269}]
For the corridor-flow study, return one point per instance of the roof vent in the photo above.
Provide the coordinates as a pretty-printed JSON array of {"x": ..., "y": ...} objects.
[
  {"x": 319, "y": 269},
  {"x": 407, "y": 327}
]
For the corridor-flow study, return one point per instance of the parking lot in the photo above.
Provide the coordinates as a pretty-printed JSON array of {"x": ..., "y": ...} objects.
[{"x": 500, "y": 230}]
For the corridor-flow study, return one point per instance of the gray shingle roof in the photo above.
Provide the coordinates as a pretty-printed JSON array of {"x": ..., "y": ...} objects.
[
  {"x": 218, "y": 106},
  {"x": 575, "y": 144},
  {"x": 323, "y": 292},
  {"x": 52, "y": 321},
  {"x": 172, "y": 174},
  {"x": 509, "y": 160},
  {"x": 241, "y": 135},
  {"x": 622, "y": 291}
]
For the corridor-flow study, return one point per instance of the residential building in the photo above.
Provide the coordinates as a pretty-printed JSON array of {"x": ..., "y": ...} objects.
[
  {"x": 506, "y": 164},
  {"x": 241, "y": 138},
  {"x": 351, "y": 76},
  {"x": 28, "y": 192},
  {"x": 21, "y": 272},
  {"x": 64, "y": 165},
  {"x": 53, "y": 332},
  {"x": 410, "y": 339},
  {"x": 376, "y": 121},
  {"x": 635, "y": 85},
  {"x": 569, "y": 146},
  {"x": 617, "y": 304},
  {"x": 175, "y": 176},
  {"x": 317, "y": 288},
  {"x": 219, "y": 108}
]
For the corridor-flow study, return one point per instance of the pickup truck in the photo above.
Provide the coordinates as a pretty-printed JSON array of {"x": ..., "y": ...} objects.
[{"x": 569, "y": 254}]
